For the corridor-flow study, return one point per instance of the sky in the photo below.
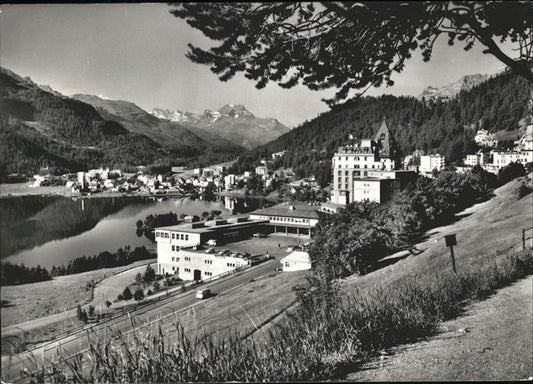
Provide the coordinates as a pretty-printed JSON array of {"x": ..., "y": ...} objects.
[{"x": 136, "y": 52}]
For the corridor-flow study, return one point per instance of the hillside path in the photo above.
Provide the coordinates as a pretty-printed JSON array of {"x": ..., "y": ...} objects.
[{"x": 492, "y": 340}]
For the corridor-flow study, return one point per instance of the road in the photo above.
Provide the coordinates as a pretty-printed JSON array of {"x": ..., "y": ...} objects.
[{"x": 163, "y": 310}]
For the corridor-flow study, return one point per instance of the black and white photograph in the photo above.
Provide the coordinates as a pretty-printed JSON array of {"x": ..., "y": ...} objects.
[{"x": 266, "y": 191}]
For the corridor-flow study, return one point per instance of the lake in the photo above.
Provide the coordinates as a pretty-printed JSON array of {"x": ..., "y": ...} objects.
[{"x": 52, "y": 230}]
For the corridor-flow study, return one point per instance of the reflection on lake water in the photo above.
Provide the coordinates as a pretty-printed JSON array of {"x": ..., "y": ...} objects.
[{"x": 53, "y": 232}]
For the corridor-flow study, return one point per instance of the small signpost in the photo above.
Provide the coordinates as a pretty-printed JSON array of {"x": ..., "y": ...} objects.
[{"x": 450, "y": 242}]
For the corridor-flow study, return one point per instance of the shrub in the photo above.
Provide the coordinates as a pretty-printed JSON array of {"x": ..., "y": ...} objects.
[
  {"x": 138, "y": 279},
  {"x": 138, "y": 295},
  {"x": 126, "y": 294},
  {"x": 524, "y": 189},
  {"x": 149, "y": 274},
  {"x": 510, "y": 172}
]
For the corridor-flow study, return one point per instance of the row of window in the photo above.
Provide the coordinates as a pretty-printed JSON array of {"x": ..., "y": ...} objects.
[
  {"x": 372, "y": 166},
  {"x": 188, "y": 270},
  {"x": 163, "y": 235},
  {"x": 387, "y": 165},
  {"x": 357, "y": 157},
  {"x": 208, "y": 261},
  {"x": 175, "y": 258},
  {"x": 231, "y": 265},
  {"x": 180, "y": 236},
  {"x": 289, "y": 219},
  {"x": 175, "y": 248}
]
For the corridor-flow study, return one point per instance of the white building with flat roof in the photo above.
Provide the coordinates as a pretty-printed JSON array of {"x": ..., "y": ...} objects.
[
  {"x": 375, "y": 189},
  {"x": 289, "y": 219},
  {"x": 191, "y": 234},
  {"x": 296, "y": 261},
  {"x": 429, "y": 163},
  {"x": 189, "y": 264}
]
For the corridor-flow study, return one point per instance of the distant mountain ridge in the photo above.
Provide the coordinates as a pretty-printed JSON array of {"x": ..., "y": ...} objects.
[
  {"x": 232, "y": 122},
  {"x": 167, "y": 133},
  {"x": 451, "y": 90},
  {"x": 41, "y": 128}
]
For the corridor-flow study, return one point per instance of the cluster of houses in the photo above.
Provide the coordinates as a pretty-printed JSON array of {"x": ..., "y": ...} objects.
[{"x": 493, "y": 159}]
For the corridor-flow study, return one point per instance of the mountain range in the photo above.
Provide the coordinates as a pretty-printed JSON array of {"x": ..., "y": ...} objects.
[
  {"x": 232, "y": 122},
  {"x": 451, "y": 90},
  {"x": 40, "y": 127},
  {"x": 136, "y": 120}
]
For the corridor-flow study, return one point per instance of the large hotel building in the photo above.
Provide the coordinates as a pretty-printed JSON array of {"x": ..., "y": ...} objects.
[{"x": 366, "y": 169}]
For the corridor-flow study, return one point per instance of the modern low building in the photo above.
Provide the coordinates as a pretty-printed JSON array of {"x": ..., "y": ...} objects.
[
  {"x": 296, "y": 261},
  {"x": 404, "y": 176},
  {"x": 189, "y": 264},
  {"x": 375, "y": 189},
  {"x": 288, "y": 219},
  {"x": 191, "y": 234}
]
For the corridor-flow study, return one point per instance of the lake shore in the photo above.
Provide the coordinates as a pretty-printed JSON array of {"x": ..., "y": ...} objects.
[{"x": 25, "y": 189}]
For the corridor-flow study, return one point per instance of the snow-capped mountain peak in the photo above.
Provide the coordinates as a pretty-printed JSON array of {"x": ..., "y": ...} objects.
[
  {"x": 175, "y": 116},
  {"x": 232, "y": 122}
]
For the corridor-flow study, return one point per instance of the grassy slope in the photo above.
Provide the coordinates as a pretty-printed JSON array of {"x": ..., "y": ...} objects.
[
  {"x": 492, "y": 226},
  {"x": 36, "y": 300},
  {"x": 486, "y": 228}
]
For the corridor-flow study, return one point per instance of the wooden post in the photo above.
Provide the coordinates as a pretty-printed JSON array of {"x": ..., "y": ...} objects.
[
  {"x": 523, "y": 239},
  {"x": 450, "y": 242},
  {"x": 453, "y": 259}
]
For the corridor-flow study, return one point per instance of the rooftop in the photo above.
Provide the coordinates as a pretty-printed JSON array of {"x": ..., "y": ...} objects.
[
  {"x": 297, "y": 256},
  {"x": 306, "y": 212},
  {"x": 372, "y": 179},
  {"x": 213, "y": 225}
]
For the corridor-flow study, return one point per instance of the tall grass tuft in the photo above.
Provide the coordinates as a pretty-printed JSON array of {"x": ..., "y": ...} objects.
[{"x": 322, "y": 339}]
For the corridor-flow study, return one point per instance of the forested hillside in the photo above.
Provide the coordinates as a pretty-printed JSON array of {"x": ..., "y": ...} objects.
[
  {"x": 448, "y": 128},
  {"x": 43, "y": 129}
]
